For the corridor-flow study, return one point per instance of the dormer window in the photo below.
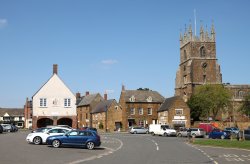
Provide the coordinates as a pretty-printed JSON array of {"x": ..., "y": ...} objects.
[
  {"x": 149, "y": 99},
  {"x": 132, "y": 99}
]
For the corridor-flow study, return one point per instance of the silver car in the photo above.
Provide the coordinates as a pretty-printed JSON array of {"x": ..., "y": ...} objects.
[
  {"x": 196, "y": 132},
  {"x": 138, "y": 130}
]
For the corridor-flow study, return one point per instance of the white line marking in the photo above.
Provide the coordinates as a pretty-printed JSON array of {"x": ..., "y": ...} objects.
[
  {"x": 100, "y": 155},
  {"x": 156, "y": 144}
]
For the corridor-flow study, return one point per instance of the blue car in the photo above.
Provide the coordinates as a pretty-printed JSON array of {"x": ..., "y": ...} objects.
[
  {"x": 216, "y": 133},
  {"x": 86, "y": 138}
]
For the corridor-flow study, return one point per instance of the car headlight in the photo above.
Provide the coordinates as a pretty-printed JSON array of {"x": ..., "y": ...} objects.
[{"x": 29, "y": 135}]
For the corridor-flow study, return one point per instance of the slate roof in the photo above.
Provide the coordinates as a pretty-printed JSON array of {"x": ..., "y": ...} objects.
[
  {"x": 86, "y": 100},
  {"x": 142, "y": 95},
  {"x": 12, "y": 111},
  {"x": 168, "y": 103},
  {"x": 102, "y": 106}
]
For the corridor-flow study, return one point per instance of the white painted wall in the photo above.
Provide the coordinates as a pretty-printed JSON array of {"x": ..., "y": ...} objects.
[{"x": 54, "y": 90}]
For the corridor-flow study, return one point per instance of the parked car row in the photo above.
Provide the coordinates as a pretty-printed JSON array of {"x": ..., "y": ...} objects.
[
  {"x": 154, "y": 129},
  {"x": 58, "y": 136},
  {"x": 8, "y": 128},
  {"x": 215, "y": 133}
]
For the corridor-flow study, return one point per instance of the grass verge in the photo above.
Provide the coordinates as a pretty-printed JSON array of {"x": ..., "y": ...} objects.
[{"x": 223, "y": 143}]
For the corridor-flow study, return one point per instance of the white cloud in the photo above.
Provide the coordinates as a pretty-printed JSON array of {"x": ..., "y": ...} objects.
[
  {"x": 3, "y": 23},
  {"x": 109, "y": 91},
  {"x": 109, "y": 61}
]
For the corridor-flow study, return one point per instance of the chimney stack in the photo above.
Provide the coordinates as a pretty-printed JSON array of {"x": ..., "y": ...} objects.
[
  {"x": 78, "y": 95},
  {"x": 55, "y": 67},
  {"x": 87, "y": 93},
  {"x": 105, "y": 96},
  {"x": 123, "y": 87}
]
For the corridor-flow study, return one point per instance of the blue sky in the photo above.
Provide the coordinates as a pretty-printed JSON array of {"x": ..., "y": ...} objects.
[{"x": 101, "y": 44}]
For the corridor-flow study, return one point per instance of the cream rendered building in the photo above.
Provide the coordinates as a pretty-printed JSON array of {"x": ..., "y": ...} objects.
[{"x": 54, "y": 104}]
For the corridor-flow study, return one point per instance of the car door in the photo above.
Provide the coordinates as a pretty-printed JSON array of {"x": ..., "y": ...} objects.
[{"x": 71, "y": 138}]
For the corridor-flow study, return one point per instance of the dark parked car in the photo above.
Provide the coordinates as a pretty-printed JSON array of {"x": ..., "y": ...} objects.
[
  {"x": 14, "y": 128},
  {"x": 85, "y": 138},
  {"x": 6, "y": 127},
  {"x": 233, "y": 130},
  {"x": 1, "y": 129},
  {"x": 217, "y": 133},
  {"x": 245, "y": 134}
]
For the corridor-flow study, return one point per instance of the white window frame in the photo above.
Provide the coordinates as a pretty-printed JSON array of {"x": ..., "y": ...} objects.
[
  {"x": 140, "y": 111},
  {"x": 132, "y": 111},
  {"x": 132, "y": 99},
  {"x": 149, "y": 99},
  {"x": 43, "y": 102},
  {"x": 178, "y": 112},
  {"x": 67, "y": 102},
  {"x": 150, "y": 111}
]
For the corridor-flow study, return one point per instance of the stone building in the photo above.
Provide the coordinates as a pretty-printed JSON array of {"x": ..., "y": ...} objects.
[
  {"x": 174, "y": 112},
  {"x": 139, "y": 107},
  {"x": 233, "y": 113},
  {"x": 199, "y": 65},
  {"x": 84, "y": 108},
  {"x": 198, "y": 62},
  {"x": 107, "y": 116}
]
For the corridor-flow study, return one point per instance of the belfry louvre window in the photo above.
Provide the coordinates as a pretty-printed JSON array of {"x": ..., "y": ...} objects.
[{"x": 202, "y": 52}]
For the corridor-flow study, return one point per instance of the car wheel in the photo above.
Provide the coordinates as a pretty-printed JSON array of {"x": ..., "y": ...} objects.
[
  {"x": 135, "y": 132},
  {"x": 222, "y": 137},
  {"x": 152, "y": 133},
  {"x": 90, "y": 145},
  {"x": 56, "y": 143},
  {"x": 165, "y": 134},
  {"x": 37, "y": 140},
  {"x": 179, "y": 135}
]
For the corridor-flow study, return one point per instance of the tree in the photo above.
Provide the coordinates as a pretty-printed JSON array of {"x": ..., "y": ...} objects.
[
  {"x": 208, "y": 100},
  {"x": 245, "y": 107}
]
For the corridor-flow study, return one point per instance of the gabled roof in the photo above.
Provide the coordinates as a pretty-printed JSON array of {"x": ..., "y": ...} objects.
[
  {"x": 168, "y": 103},
  {"x": 143, "y": 95},
  {"x": 86, "y": 100},
  {"x": 54, "y": 75},
  {"x": 12, "y": 111},
  {"x": 102, "y": 106}
]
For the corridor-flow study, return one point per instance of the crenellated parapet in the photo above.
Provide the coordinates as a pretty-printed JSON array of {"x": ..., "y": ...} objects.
[{"x": 204, "y": 36}]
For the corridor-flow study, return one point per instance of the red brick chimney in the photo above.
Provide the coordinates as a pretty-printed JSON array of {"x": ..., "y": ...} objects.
[
  {"x": 78, "y": 95},
  {"x": 55, "y": 67},
  {"x": 123, "y": 87},
  {"x": 87, "y": 93},
  {"x": 105, "y": 96}
]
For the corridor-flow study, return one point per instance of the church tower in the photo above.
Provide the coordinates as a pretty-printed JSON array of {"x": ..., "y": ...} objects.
[{"x": 198, "y": 62}]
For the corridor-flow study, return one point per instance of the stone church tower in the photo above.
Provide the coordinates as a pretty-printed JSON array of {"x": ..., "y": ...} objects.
[{"x": 198, "y": 62}]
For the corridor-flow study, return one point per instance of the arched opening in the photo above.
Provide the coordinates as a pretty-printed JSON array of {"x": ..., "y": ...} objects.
[
  {"x": 65, "y": 121},
  {"x": 202, "y": 51},
  {"x": 43, "y": 122}
]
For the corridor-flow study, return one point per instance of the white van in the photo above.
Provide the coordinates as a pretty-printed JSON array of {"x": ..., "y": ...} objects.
[{"x": 162, "y": 130}]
